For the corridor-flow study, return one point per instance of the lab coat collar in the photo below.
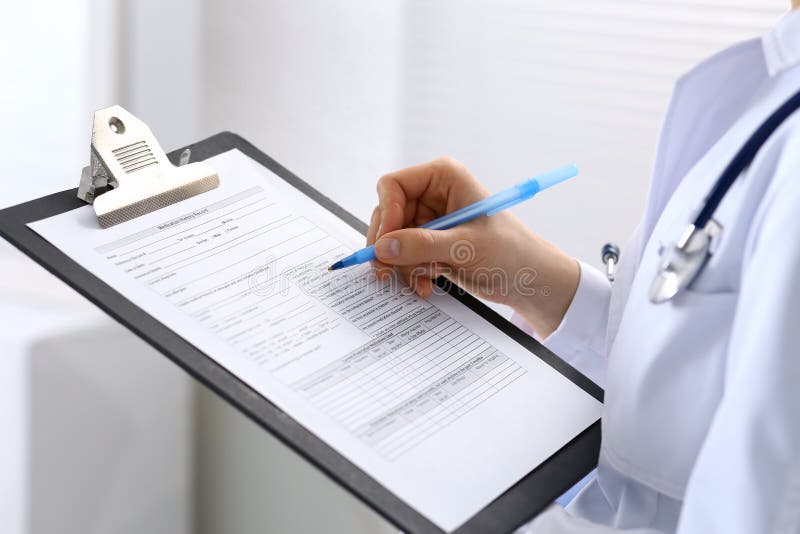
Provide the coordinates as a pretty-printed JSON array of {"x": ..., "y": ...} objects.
[{"x": 782, "y": 43}]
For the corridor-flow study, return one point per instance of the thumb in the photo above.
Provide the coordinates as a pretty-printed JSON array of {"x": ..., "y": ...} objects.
[{"x": 412, "y": 246}]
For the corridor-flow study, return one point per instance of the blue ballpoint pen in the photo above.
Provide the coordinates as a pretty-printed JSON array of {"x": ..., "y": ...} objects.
[{"x": 488, "y": 206}]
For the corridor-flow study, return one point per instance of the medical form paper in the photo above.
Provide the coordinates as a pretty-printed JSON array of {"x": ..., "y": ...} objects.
[{"x": 425, "y": 396}]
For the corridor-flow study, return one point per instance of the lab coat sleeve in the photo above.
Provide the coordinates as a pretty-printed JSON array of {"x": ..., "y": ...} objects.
[
  {"x": 747, "y": 475},
  {"x": 581, "y": 337},
  {"x": 556, "y": 520}
]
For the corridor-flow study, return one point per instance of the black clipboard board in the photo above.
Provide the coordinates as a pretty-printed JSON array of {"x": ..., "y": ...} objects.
[{"x": 510, "y": 510}]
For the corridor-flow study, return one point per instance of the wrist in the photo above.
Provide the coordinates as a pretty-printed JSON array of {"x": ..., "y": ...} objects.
[{"x": 543, "y": 285}]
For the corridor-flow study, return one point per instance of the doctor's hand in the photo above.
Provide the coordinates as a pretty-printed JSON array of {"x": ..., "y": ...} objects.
[{"x": 497, "y": 257}]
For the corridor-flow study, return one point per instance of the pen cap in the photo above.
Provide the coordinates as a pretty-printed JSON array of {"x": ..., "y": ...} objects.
[
  {"x": 548, "y": 179},
  {"x": 527, "y": 189}
]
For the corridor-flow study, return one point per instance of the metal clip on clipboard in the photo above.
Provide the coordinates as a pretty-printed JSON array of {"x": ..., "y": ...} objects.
[{"x": 129, "y": 173}]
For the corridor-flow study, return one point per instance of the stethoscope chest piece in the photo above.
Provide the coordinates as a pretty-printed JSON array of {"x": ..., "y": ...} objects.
[{"x": 681, "y": 262}]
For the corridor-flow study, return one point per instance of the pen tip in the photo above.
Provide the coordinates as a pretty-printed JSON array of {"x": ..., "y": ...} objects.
[{"x": 330, "y": 267}]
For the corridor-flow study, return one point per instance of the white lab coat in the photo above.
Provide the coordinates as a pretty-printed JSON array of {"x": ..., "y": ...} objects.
[{"x": 701, "y": 424}]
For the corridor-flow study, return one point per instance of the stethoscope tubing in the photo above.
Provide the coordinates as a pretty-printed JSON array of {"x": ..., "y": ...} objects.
[{"x": 744, "y": 158}]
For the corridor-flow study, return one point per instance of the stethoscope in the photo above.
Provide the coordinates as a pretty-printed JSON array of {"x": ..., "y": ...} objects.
[{"x": 683, "y": 260}]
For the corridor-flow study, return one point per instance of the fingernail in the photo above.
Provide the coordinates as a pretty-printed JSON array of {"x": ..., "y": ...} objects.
[{"x": 387, "y": 248}]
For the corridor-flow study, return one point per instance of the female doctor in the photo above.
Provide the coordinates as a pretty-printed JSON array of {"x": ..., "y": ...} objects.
[{"x": 701, "y": 366}]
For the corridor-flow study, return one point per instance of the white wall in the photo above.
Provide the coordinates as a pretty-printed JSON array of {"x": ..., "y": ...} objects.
[
  {"x": 43, "y": 98},
  {"x": 26, "y": 98},
  {"x": 515, "y": 87},
  {"x": 317, "y": 85},
  {"x": 159, "y": 66},
  {"x": 95, "y": 424},
  {"x": 342, "y": 92}
]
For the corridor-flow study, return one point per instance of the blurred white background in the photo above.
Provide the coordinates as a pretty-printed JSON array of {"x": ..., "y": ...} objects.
[{"x": 340, "y": 93}]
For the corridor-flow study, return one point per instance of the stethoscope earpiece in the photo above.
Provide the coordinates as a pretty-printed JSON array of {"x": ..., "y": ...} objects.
[{"x": 610, "y": 255}]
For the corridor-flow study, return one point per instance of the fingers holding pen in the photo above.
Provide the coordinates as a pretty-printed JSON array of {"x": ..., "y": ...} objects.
[
  {"x": 374, "y": 226},
  {"x": 420, "y": 278},
  {"x": 392, "y": 202},
  {"x": 409, "y": 197},
  {"x": 382, "y": 270},
  {"x": 389, "y": 215},
  {"x": 414, "y": 246},
  {"x": 418, "y": 255}
]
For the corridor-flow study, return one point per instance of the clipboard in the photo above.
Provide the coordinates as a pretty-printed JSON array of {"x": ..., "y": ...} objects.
[{"x": 514, "y": 507}]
